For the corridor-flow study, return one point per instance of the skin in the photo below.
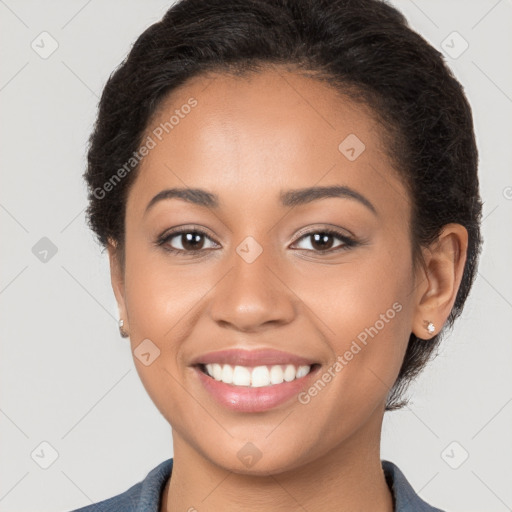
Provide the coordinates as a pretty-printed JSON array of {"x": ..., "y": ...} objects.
[{"x": 248, "y": 139}]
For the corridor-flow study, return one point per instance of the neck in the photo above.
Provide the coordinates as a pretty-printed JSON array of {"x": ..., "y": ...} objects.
[{"x": 349, "y": 477}]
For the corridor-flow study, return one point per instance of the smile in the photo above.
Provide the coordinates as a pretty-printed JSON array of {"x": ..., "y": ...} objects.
[{"x": 257, "y": 376}]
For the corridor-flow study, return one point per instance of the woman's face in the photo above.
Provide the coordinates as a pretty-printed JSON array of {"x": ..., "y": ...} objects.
[{"x": 265, "y": 275}]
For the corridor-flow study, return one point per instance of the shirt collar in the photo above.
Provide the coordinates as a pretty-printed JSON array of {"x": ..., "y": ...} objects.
[{"x": 404, "y": 497}]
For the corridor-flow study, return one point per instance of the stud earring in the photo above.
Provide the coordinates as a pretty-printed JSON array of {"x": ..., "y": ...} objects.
[
  {"x": 122, "y": 332},
  {"x": 430, "y": 328}
]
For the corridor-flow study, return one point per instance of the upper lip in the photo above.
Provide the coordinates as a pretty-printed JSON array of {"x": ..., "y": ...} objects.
[{"x": 256, "y": 357}]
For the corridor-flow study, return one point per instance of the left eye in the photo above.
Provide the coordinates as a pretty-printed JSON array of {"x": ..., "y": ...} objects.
[{"x": 322, "y": 241}]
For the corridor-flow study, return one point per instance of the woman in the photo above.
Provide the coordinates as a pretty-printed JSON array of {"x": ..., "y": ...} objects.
[{"x": 288, "y": 193}]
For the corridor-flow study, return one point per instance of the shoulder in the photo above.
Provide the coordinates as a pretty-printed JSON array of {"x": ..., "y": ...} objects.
[
  {"x": 143, "y": 496},
  {"x": 405, "y": 497}
]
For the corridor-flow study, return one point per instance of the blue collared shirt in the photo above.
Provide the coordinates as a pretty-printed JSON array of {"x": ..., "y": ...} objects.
[{"x": 145, "y": 496}]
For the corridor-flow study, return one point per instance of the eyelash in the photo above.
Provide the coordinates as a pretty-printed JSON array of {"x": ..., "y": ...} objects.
[{"x": 347, "y": 241}]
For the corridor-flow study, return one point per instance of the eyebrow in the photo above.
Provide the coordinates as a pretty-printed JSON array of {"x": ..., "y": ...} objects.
[
  {"x": 288, "y": 198},
  {"x": 192, "y": 195},
  {"x": 306, "y": 195}
]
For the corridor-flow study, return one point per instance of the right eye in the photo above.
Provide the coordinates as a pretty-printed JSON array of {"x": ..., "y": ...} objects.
[{"x": 188, "y": 241}]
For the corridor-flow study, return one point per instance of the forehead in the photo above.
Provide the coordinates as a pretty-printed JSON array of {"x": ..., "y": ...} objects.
[{"x": 254, "y": 135}]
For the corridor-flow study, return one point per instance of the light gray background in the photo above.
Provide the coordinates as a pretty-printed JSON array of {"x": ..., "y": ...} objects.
[{"x": 68, "y": 379}]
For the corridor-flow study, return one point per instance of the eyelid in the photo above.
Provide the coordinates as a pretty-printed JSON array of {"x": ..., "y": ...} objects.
[
  {"x": 326, "y": 227},
  {"x": 187, "y": 228}
]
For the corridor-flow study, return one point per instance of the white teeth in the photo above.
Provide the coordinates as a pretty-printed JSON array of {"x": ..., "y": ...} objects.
[
  {"x": 303, "y": 371},
  {"x": 258, "y": 376},
  {"x": 227, "y": 374},
  {"x": 241, "y": 376},
  {"x": 216, "y": 371},
  {"x": 276, "y": 375},
  {"x": 289, "y": 373}
]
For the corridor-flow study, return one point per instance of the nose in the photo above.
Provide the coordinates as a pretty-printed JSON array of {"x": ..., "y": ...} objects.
[{"x": 253, "y": 296}]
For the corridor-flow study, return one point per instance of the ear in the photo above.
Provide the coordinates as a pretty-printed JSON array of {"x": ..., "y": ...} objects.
[
  {"x": 117, "y": 280},
  {"x": 438, "y": 280}
]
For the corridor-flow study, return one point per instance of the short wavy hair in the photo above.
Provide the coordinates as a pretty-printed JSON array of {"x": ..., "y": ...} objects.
[{"x": 363, "y": 48}]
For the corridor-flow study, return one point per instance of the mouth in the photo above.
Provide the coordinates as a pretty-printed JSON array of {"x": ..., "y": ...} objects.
[
  {"x": 256, "y": 376},
  {"x": 254, "y": 381},
  {"x": 255, "y": 389}
]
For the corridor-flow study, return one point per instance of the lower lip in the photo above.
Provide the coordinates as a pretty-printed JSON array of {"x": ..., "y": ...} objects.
[{"x": 247, "y": 399}]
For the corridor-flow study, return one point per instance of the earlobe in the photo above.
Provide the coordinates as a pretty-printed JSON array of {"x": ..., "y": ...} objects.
[
  {"x": 117, "y": 281},
  {"x": 439, "y": 279}
]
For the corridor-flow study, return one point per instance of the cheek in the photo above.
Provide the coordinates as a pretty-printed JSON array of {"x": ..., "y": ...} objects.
[
  {"x": 159, "y": 295},
  {"x": 161, "y": 303},
  {"x": 164, "y": 302},
  {"x": 364, "y": 311}
]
